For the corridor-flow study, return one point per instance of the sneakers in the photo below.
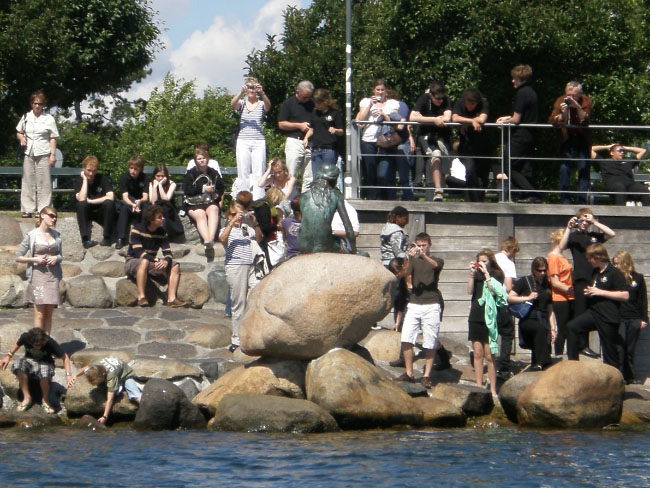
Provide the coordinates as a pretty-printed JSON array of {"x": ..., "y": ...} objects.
[
  {"x": 426, "y": 382},
  {"x": 406, "y": 378},
  {"x": 437, "y": 196}
]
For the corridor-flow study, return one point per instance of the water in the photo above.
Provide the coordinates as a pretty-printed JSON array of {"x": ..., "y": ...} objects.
[{"x": 453, "y": 458}]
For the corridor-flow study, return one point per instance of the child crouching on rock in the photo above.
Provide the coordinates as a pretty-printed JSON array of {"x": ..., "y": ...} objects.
[{"x": 117, "y": 375}]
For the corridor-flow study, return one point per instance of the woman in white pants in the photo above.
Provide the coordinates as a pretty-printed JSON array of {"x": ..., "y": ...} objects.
[{"x": 251, "y": 145}]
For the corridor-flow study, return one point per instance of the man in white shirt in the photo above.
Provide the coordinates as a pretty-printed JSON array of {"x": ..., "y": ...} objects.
[
  {"x": 505, "y": 259},
  {"x": 337, "y": 224}
]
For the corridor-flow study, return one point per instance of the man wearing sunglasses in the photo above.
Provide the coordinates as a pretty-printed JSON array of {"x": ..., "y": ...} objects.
[{"x": 618, "y": 173}]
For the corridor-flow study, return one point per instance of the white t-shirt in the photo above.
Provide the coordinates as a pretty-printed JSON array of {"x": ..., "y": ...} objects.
[
  {"x": 212, "y": 163},
  {"x": 507, "y": 265},
  {"x": 337, "y": 223},
  {"x": 371, "y": 131}
]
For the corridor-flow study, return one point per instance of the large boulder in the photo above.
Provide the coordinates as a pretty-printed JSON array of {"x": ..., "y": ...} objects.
[
  {"x": 193, "y": 290},
  {"x": 126, "y": 292},
  {"x": 88, "y": 291},
  {"x": 218, "y": 284},
  {"x": 573, "y": 394},
  {"x": 512, "y": 389},
  {"x": 10, "y": 232},
  {"x": 472, "y": 400},
  {"x": 334, "y": 303},
  {"x": 439, "y": 413},
  {"x": 212, "y": 337},
  {"x": 640, "y": 408},
  {"x": 12, "y": 291},
  {"x": 29, "y": 419},
  {"x": 8, "y": 264},
  {"x": 85, "y": 399},
  {"x": 164, "y": 406},
  {"x": 383, "y": 345},
  {"x": 168, "y": 369},
  {"x": 263, "y": 376},
  {"x": 260, "y": 413},
  {"x": 357, "y": 394},
  {"x": 109, "y": 269}
]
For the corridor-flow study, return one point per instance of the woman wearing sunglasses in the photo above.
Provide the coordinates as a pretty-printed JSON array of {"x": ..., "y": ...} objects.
[
  {"x": 618, "y": 173},
  {"x": 538, "y": 329},
  {"x": 41, "y": 251},
  {"x": 252, "y": 104}
]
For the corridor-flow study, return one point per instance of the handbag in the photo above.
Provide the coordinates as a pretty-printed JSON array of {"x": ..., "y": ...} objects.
[
  {"x": 202, "y": 199},
  {"x": 522, "y": 310},
  {"x": 389, "y": 138}
]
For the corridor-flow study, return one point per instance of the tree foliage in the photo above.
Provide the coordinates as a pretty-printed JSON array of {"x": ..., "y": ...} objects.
[
  {"x": 72, "y": 49},
  {"x": 466, "y": 43}
]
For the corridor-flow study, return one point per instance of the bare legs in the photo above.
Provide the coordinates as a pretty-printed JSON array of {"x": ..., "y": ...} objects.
[
  {"x": 407, "y": 352},
  {"x": 483, "y": 351},
  {"x": 207, "y": 222},
  {"x": 43, "y": 317},
  {"x": 172, "y": 285},
  {"x": 23, "y": 382}
]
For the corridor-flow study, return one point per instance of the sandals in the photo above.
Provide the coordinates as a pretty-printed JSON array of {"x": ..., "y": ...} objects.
[
  {"x": 26, "y": 215},
  {"x": 47, "y": 409},
  {"x": 24, "y": 406}
]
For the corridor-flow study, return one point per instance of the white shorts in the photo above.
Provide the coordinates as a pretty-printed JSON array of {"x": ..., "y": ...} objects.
[{"x": 423, "y": 318}]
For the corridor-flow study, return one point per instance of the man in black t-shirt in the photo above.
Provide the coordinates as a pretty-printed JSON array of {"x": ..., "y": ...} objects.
[
  {"x": 472, "y": 110},
  {"x": 522, "y": 141},
  {"x": 133, "y": 190},
  {"x": 618, "y": 173},
  {"x": 294, "y": 121},
  {"x": 605, "y": 292},
  {"x": 434, "y": 139},
  {"x": 94, "y": 202}
]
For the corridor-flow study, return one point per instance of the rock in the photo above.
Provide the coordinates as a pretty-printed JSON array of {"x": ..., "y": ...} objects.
[
  {"x": 179, "y": 251},
  {"x": 383, "y": 345},
  {"x": 12, "y": 291},
  {"x": 573, "y": 394},
  {"x": 264, "y": 376},
  {"x": 112, "y": 338},
  {"x": 9, "y": 334},
  {"x": 88, "y": 422},
  {"x": 164, "y": 406},
  {"x": 73, "y": 251},
  {"x": 193, "y": 290},
  {"x": 512, "y": 389},
  {"x": 439, "y": 413},
  {"x": 166, "y": 369},
  {"x": 636, "y": 391},
  {"x": 8, "y": 264},
  {"x": 85, "y": 399},
  {"x": 32, "y": 418},
  {"x": 413, "y": 389},
  {"x": 10, "y": 232},
  {"x": 356, "y": 393},
  {"x": 211, "y": 337},
  {"x": 70, "y": 270},
  {"x": 333, "y": 304},
  {"x": 109, "y": 269},
  {"x": 82, "y": 358},
  {"x": 472, "y": 400},
  {"x": 126, "y": 292},
  {"x": 88, "y": 291},
  {"x": 219, "y": 251},
  {"x": 189, "y": 388},
  {"x": 260, "y": 413},
  {"x": 102, "y": 253},
  {"x": 640, "y": 408},
  {"x": 9, "y": 383},
  {"x": 192, "y": 267},
  {"x": 218, "y": 286},
  {"x": 167, "y": 350},
  {"x": 164, "y": 335}
]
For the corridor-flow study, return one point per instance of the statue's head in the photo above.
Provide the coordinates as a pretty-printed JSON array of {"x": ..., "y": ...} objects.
[{"x": 328, "y": 172}]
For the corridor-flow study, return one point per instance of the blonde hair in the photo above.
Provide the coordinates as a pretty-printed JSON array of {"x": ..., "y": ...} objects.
[
  {"x": 96, "y": 375},
  {"x": 625, "y": 265},
  {"x": 556, "y": 236},
  {"x": 274, "y": 196}
]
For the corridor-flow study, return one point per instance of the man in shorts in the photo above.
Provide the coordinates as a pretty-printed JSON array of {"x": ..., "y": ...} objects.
[
  {"x": 145, "y": 241},
  {"x": 424, "y": 309}
]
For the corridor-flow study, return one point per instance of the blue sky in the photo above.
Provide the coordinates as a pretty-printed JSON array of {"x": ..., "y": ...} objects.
[{"x": 208, "y": 40}]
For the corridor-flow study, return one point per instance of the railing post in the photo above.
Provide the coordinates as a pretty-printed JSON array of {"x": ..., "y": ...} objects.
[{"x": 351, "y": 181}]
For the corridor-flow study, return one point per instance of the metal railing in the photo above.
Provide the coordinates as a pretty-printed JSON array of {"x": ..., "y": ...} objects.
[{"x": 502, "y": 163}]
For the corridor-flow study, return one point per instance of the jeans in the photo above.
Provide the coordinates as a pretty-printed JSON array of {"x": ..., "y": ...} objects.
[
  {"x": 575, "y": 148},
  {"x": 321, "y": 156},
  {"x": 404, "y": 165},
  {"x": 386, "y": 172},
  {"x": 251, "y": 164},
  {"x": 369, "y": 160}
]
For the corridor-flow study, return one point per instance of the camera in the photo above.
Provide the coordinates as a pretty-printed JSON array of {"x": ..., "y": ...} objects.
[
  {"x": 250, "y": 87},
  {"x": 477, "y": 265},
  {"x": 567, "y": 100},
  {"x": 376, "y": 99}
]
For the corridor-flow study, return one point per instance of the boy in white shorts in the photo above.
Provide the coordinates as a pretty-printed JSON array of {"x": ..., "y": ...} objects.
[{"x": 424, "y": 309}]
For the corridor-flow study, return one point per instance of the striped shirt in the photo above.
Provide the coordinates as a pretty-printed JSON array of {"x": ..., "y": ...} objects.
[
  {"x": 238, "y": 249},
  {"x": 250, "y": 123},
  {"x": 145, "y": 244}
]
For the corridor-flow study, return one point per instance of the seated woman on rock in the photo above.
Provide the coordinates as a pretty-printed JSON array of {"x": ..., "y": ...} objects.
[
  {"x": 161, "y": 192},
  {"x": 537, "y": 331},
  {"x": 38, "y": 363},
  {"x": 142, "y": 261}
]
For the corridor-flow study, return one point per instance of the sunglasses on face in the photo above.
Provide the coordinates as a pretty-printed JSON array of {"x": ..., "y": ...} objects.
[
  {"x": 541, "y": 270},
  {"x": 52, "y": 216}
]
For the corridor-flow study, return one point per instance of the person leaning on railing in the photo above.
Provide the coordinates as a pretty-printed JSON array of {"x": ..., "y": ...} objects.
[{"x": 618, "y": 173}]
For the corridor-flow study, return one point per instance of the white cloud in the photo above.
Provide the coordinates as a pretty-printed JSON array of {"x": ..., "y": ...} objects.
[{"x": 215, "y": 56}]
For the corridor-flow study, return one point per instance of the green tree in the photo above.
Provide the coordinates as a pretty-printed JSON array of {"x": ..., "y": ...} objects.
[{"x": 73, "y": 49}]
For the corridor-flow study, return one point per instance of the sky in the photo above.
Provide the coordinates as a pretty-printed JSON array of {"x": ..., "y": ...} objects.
[{"x": 208, "y": 40}]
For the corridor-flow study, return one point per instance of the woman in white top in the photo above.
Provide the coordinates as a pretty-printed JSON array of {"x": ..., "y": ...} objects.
[
  {"x": 37, "y": 133},
  {"x": 373, "y": 109},
  {"x": 277, "y": 175},
  {"x": 251, "y": 145}
]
